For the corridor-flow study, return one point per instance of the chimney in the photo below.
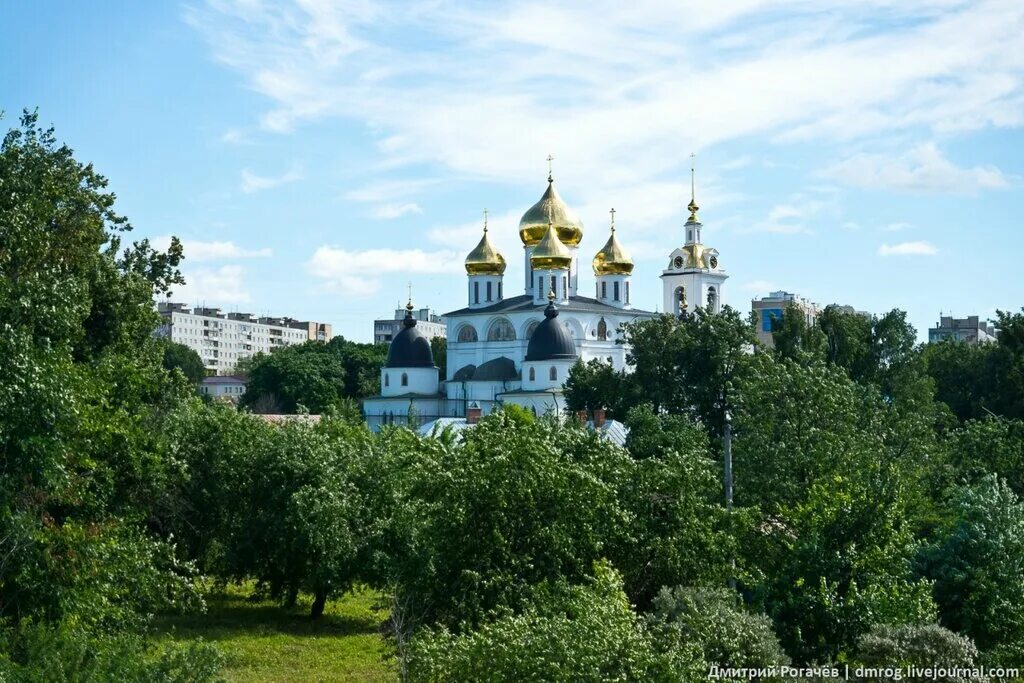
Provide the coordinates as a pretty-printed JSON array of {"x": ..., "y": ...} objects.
[
  {"x": 473, "y": 413},
  {"x": 598, "y": 418}
]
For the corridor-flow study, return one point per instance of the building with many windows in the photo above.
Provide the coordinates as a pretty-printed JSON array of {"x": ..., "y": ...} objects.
[
  {"x": 223, "y": 339},
  {"x": 507, "y": 347},
  {"x": 773, "y": 307},
  {"x": 430, "y": 324},
  {"x": 971, "y": 329}
]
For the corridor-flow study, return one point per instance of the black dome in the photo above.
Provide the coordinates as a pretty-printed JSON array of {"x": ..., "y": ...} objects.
[
  {"x": 496, "y": 370},
  {"x": 409, "y": 348},
  {"x": 551, "y": 340}
]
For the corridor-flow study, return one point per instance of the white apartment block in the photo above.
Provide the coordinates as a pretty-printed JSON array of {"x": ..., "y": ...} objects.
[
  {"x": 429, "y": 323},
  {"x": 223, "y": 339}
]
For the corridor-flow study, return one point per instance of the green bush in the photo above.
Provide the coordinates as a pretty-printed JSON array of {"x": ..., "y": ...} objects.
[{"x": 566, "y": 633}]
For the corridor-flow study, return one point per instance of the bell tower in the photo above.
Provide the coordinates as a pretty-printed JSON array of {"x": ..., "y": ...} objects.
[{"x": 694, "y": 277}]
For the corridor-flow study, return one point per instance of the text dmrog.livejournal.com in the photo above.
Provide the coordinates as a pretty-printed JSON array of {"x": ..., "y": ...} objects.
[{"x": 859, "y": 673}]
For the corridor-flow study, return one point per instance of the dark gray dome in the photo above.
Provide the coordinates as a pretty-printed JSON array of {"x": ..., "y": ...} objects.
[
  {"x": 496, "y": 370},
  {"x": 551, "y": 340},
  {"x": 409, "y": 348},
  {"x": 464, "y": 374}
]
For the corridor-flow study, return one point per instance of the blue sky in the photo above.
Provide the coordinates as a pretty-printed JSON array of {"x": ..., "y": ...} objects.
[{"x": 315, "y": 156}]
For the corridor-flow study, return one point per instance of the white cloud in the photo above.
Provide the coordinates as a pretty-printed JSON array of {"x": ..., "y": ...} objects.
[
  {"x": 198, "y": 250},
  {"x": 922, "y": 169},
  {"x": 213, "y": 286},
  {"x": 895, "y": 227},
  {"x": 488, "y": 89},
  {"x": 359, "y": 272},
  {"x": 908, "y": 249},
  {"x": 388, "y": 190},
  {"x": 391, "y": 211},
  {"x": 234, "y": 136},
  {"x": 256, "y": 183}
]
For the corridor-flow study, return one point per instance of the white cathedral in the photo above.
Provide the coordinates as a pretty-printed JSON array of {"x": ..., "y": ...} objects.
[{"x": 519, "y": 349}]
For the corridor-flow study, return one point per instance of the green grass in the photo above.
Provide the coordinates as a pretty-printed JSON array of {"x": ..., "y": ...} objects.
[{"x": 263, "y": 641}]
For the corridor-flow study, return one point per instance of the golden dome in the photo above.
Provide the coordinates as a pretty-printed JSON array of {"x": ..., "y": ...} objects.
[
  {"x": 550, "y": 208},
  {"x": 550, "y": 253},
  {"x": 485, "y": 259},
  {"x": 612, "y": 259}
]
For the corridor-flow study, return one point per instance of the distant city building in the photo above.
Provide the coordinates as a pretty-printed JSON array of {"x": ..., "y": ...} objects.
[
  {"x": 428, "y": 322},
  {"x": 773, "y": 306},
  {"x": 223, "y": 387},
  {"x": 223, "y": 339},
  {"x": 971, "y": 329}
]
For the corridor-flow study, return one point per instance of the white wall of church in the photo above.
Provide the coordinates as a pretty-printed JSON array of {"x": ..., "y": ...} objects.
[{"x": 399, "y": 381}]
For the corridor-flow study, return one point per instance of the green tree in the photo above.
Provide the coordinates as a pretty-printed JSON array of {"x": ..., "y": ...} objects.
[
  {"x": 472, "y": 523},
  {"x": 827, "y": 466},
  {"x": 924, "y": 647},
  {"x": 316, "y": 376},
  {"x": 439, "y": 349},
  {"x": 714, "y": 619},
  {"x": 596, "y": 384},
  {"x": 977, "y": 564},
  {"x": 81, "y": 387},
  {"x": 566, "y": 633},
  {"x": 688, "y": 367},
  {"x": 185, "y": 359},
  {"x": 793, "y": 338}
]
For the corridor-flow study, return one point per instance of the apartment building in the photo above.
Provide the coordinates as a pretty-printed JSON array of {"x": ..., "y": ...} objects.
[{"x": 223, "y": 339}]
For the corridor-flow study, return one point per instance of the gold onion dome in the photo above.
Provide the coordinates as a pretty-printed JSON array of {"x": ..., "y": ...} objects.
[
  {"x": 551, "y": 207},
  {"x": 550, "y": 253},
  {"x": 612, "y": 259},
  {"x": 485, "y": 259}
]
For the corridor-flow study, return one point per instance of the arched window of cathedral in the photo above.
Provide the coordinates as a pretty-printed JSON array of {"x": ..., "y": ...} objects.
[
  {"x": 387, "y": 380},
  {"x": 680, "y": 299},
  {"x": 604, "y": 289},
  {"x": 712, "y": 299},
  {"x": 501, "y": 330},
  {"x": 533, "y": 374},
  {"x": 627, "y": 291},
  {"x": 602, "y": 330},
  {"x": 553, "y": 373},
  {"x": 405, "y": 380},
  {"x": 531, "y": 328},
  {"x": 467, "y": 333}
]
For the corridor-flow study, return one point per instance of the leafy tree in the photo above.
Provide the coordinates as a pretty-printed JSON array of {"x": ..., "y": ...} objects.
[
  {"x": 825, "y": 463},
  {"x": 314, "y": 375},
  {"x": 976, "y": 381},
  {"x": 924, "y": 647},
  {"x": 267, "y": 502},
  {"x": 472, "y": 524},
  {"x": 185, "y": 359},
  {"x": 688, "y": 367},
  {"x": 727, "y": 635},
  {"x": 566, "y": 633},
  {"x": 81, "y": 387},
  {"x": 793, "y": 338},
  {"x": 993, "y": 445},
  {"x": 678, "y": 531},
  {"x": 977, "y": 564},
  {"x": 596, "y": 384},
  {"x": 439, "y": 349}
]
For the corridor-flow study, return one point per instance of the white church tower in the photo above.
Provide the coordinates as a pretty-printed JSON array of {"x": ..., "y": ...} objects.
[
  {"x": 694, "y": 277},
  {"x": 551, "y": 211},
  {"x": 612, "y": 268},
  {"x": 485, "y": 267}
]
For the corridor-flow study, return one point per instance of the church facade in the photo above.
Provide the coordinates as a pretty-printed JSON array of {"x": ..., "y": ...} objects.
[{"x": 514, "y": 343}]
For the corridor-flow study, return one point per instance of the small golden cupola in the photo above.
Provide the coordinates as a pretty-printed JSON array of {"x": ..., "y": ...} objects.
[
  {"x": 550, "y": 253},
  {"x": 485, "y": 259},
  {"x": 550, "y": 207},
  {"x": 612, "y": 259}
]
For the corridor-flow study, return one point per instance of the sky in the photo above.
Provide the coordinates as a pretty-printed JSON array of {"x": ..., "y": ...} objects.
[{"x": 315, "y": 156}]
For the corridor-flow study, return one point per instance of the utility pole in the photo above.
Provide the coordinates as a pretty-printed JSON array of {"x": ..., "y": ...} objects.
[{"x": 727, "y": 453}]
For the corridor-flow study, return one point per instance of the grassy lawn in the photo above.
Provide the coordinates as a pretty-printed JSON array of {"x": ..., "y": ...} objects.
[{"x": 262, "y": 641}]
